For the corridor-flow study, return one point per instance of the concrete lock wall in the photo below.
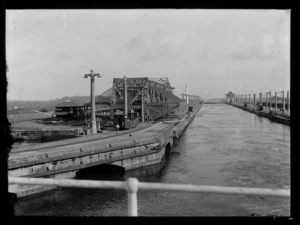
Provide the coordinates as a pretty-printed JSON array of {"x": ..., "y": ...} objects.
[{"x": 129, "y": 154}]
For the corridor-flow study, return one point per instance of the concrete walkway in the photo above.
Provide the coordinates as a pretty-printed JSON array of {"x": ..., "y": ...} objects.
[{"x": 144, "y": 130}]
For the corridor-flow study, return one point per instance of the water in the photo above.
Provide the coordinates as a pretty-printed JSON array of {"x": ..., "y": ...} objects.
[{"x": 222, "y": 146}]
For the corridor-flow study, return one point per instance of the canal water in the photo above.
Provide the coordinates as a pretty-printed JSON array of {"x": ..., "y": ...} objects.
[{"x": 223, "y": 145}]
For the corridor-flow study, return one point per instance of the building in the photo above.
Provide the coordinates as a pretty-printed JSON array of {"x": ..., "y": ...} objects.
[
  {"x": 148, "y": 99},
  {"x": 230, "y": 96},
  {"x": 70, "y": 110}
]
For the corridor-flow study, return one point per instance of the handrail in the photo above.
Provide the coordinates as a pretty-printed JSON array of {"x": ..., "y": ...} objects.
[{"x": 132, "y": 185}]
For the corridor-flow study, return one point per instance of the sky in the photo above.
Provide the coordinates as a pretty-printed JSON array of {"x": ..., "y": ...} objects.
[{"x": 211, "y": 51}]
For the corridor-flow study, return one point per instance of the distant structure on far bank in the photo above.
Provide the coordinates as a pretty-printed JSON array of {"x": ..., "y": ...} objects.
[
  {"x": 229, "y": 96},
  {"x": 130, "y": 101}
]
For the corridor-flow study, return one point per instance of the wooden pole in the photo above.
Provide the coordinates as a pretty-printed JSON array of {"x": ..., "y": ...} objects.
[
  {"x": 283, "y": 102},
  {"x": 125, "y": 98},
  {"x": 270, "y": 100},
  {"x": 275, "y": 101},
  {"x": 249, "y": 100},
  {"x": 143, "y": 117}
]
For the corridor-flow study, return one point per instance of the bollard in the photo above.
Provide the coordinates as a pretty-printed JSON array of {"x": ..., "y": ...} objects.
[{"x": 131, "y": 186}]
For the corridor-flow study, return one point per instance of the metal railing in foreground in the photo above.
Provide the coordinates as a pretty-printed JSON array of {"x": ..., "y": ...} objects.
[{"x": 132, "y": 185}]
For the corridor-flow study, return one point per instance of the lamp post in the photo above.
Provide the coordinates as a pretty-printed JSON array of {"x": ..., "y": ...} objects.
[{"x": 92, "y": 75}]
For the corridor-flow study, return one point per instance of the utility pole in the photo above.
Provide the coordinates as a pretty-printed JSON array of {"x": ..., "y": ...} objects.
[
  {"x": 283, "y": 102},
  {"x": 187, "y": 99},
  {"x": 249, "y": 100},
  {"x": 270, "y": 99},
  {"x": 275, "y": 101},
  {"x": 125, "y": 98},
  {"x": 92, "y": 75},
  {"x": 142, "y": 102}
]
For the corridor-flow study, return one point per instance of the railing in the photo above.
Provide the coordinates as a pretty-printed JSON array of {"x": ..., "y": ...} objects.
[{"x": 132, "y": 186}]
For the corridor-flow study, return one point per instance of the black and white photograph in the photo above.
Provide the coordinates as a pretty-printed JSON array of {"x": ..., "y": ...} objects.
[{"x": 149, "y": 112}]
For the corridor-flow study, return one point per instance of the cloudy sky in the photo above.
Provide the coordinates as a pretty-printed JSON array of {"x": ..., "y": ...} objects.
[{"x": 211, "y": 51}]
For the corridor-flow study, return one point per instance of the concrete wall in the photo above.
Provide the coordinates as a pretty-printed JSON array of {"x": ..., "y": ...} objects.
[{"x": 129, "y": 154}]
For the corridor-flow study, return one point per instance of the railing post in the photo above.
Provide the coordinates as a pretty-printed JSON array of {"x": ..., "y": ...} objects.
[{"x": 131, "y": 187}]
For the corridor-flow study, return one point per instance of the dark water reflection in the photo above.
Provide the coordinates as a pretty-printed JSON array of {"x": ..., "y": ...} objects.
[{"x": 222, "y": 146}]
